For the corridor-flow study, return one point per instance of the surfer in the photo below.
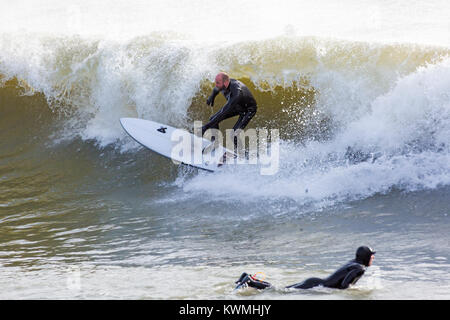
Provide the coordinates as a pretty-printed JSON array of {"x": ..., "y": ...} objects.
[
  {"x": 240, "y": 102},
  {"x": 341, "y": 279}
]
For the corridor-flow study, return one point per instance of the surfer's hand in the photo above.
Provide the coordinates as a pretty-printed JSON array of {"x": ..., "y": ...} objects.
[{"x": 210, "y": 101}]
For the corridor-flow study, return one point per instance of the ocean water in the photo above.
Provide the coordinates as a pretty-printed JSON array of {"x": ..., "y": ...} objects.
[{"x": 360, "y": 94}]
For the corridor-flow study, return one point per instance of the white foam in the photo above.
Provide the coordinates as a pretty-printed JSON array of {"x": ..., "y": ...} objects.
[
  {"x": 95, "y": 82},
  {"x": 405, "y": 136},
  {"x": 394, "y": 21}
]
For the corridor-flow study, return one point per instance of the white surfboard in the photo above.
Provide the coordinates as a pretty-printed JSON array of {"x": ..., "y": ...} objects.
[{"x": 176, "y": 144}]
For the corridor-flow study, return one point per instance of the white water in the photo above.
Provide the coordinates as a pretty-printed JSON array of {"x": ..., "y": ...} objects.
[
  {"x": 101, "y": 61},
  {"x": 381, "y": 20}
]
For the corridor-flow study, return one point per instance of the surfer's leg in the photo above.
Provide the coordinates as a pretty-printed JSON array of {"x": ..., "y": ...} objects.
[
  {"x": 307, "y": 284},
  {"x": 244, "y": 119},
  {"x": 247, "y": 280},
  {"x": 223, "y": 114}
]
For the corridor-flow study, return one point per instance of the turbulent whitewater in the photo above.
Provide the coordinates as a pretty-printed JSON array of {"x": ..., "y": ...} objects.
[
  {"x": 360, "y": 95},
  {"x": 355, "y": 118}
]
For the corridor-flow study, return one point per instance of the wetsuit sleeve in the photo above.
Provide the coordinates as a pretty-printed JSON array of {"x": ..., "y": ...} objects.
[
  {"x": 214, "y": 93},
  {"x": 351, "y": 277},
  {"x": 258, "y": 284}
]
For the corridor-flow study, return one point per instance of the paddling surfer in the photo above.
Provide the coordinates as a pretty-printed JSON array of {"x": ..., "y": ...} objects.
[{"x": 342, "y": 278}]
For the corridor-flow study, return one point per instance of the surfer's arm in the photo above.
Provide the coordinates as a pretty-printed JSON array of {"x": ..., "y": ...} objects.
[
  {"x": 214, "y": 93},
  {"x": 351, "y": 277}
]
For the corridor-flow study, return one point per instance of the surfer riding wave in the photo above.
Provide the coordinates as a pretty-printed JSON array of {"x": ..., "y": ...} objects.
[{"x": 240, "y": 102}]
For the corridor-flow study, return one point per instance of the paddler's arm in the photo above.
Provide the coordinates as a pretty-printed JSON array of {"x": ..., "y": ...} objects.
[{"x": 352, "y": 277}]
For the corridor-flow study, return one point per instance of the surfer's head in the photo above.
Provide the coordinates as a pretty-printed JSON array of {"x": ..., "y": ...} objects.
[
  {"x": 364, "y": 255},
  {"x": 222, "y": 81}
]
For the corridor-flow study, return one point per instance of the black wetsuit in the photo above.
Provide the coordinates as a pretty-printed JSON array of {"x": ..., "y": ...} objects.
[
  {"x": 340, "y": 279},
  {"x": 240, "y": 102},
  {"x": 343, "y": 277}
]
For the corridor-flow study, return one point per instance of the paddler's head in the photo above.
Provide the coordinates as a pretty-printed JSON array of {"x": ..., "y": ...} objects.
[{"x": 364, "y": 255}]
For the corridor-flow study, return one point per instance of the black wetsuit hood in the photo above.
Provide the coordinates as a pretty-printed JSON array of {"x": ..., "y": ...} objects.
[{"x": 363, "y": 255}]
